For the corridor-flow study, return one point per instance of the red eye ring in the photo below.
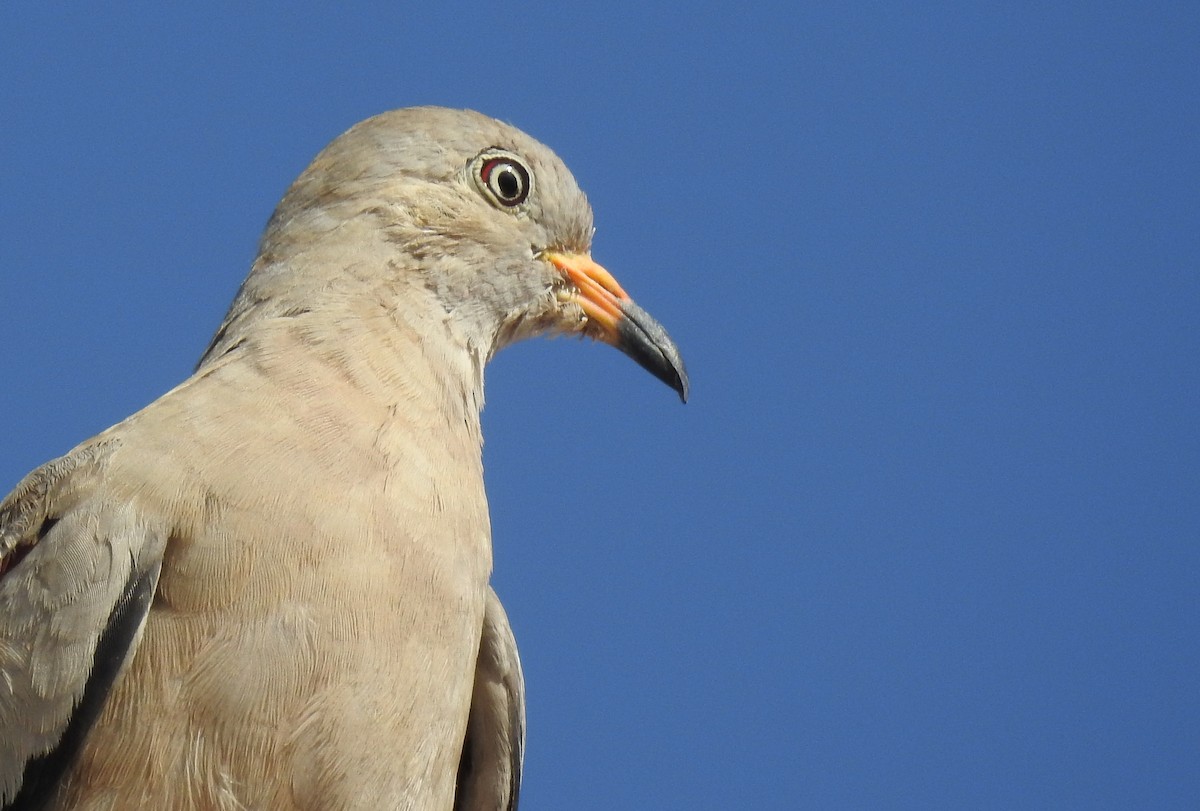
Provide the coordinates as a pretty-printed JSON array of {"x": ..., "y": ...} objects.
[{"x": 506, "y": 180}]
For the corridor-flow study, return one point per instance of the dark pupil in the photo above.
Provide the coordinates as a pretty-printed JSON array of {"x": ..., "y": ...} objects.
[{"x": 508, "y": 183}]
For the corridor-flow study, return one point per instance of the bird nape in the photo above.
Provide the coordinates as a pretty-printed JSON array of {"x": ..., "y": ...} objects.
[{"x": 269, "y": 587}]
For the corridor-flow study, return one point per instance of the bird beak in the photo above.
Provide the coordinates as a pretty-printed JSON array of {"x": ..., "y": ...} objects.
[{"x": 612, "y": 317}]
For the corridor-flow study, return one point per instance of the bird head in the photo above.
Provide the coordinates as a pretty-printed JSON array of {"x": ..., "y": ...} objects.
[{"x": 479, "y": 215}]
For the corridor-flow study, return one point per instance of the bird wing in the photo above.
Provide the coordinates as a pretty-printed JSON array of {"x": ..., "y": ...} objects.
[
  {"x": 77, "y": 574},
  {"x": 489, "y": 772}
]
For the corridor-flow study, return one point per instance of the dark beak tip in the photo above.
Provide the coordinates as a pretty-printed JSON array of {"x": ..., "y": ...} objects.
[
  {"x": 644, "y": 339},
  {"x": 679, "y": 381}
]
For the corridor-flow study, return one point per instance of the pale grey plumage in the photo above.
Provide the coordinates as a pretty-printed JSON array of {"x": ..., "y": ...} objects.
[{"x": 298, "y": 533}]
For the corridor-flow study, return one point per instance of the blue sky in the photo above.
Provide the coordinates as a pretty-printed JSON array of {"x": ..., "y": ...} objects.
[{"x": 926, "y": 535}]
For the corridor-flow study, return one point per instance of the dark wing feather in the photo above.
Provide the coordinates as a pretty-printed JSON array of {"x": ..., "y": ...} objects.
[
  {"x": 77, "y": 575},
  {"x": 489, "y": 771}
]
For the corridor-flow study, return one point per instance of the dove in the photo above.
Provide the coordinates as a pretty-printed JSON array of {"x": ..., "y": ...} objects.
[{"x": 269, "y": 588}]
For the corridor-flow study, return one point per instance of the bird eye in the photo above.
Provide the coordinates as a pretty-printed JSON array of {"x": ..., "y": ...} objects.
[{"x": 504, "y": 178}]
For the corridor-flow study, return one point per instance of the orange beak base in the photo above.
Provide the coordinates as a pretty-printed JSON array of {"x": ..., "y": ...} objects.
[{"x": 620, "y": 321}]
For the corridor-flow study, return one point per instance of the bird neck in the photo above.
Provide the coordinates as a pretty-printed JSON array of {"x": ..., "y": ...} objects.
[{"x": 394, "y": 349}]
